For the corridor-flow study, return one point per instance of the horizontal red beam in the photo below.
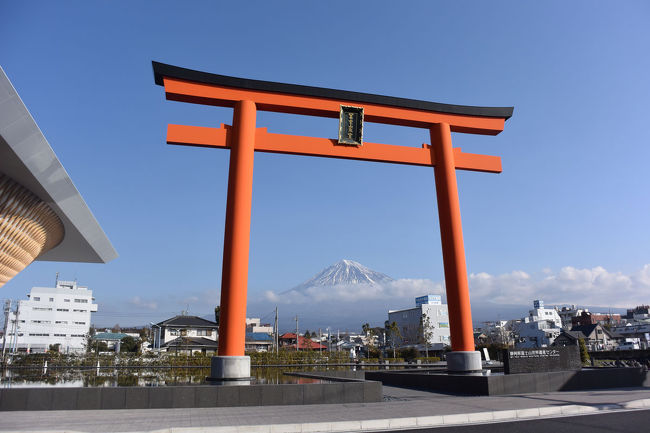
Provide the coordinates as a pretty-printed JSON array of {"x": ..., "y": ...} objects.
[
  {"x": 329, "y": 148},
  {"x": 212, "y": 94}
]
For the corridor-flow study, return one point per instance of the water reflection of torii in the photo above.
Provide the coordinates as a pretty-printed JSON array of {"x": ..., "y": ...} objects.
[{"x": 243, "y": 139}]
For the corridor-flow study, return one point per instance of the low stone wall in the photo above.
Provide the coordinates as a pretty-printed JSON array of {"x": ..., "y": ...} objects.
[
  {"x": 585, "y": 379},
  {"x": 341, "y": 375},
  {"x": 188, "y": 396},
  {"x": 637, "y": 355}
]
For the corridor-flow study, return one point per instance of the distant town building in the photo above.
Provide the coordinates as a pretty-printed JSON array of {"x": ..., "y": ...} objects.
[
  {"x": 567, "y": 313},
  {"x": 52, "y": 316},
  {"x": 569, "y": 338},
  {"x": 258, "y": 342},
  {"x": 499, "y": 332},
  {"x": 640, "y": 313},
  {"x": 480, "y": 338},
  {"x": 597, "y": 337},
  {"x": 429, "y": 314},
  {"x": 587, "y": 318},
  {"x": 540, "y": 328},
  {"x": 111, "y": 339},
  {"x": 253, "y": 325},
  {"x": 288, "y": 341},
  {"x": 639, "y": 331}
]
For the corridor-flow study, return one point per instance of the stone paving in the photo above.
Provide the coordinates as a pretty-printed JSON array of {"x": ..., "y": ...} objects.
[{"x": 401, "y": 408}]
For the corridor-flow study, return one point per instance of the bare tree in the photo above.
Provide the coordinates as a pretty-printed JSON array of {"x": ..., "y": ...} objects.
[
  {"x": 425, "y": 332},
  {"x": 392, "y": 330}
]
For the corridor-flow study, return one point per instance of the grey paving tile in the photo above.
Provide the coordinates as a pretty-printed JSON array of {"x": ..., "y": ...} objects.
[{"x": 429, "y": 404}]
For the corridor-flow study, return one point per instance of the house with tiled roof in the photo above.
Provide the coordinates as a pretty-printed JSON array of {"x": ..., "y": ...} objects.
[
  {"x": 258, "y": 342},
  {"x": 110, "y": 338},
  {"x": 200, "y": 333},
  {"x": 288, "y": 341},
  {"x": 189, "y": 345},
  {"x": 597, "y": 337},
  {"x": 569, "y": 338}
]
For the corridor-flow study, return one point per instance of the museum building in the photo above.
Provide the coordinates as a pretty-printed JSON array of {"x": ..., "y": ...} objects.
[
  {"x": 42, "y": 218},
  {"x": 42, "y": 215}
]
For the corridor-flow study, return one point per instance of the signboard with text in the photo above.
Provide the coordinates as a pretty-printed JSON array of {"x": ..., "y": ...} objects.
[
  {"x": 541, "y": 359},
  {"x": 351, "y": 125}
]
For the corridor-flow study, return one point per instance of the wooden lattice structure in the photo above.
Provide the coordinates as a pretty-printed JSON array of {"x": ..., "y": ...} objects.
[{"x": 28, "y": 228}]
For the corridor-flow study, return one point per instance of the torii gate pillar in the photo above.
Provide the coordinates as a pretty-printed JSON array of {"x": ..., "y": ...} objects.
[
  {"x": 463, "y": 356},
  {"x": 231, "y": 364}
]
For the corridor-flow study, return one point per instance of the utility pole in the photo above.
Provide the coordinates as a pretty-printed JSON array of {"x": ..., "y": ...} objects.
[
  {"x": 320, "y": 341},
  {"x": 277, "y": 332},
  {"x": 329, "y": 339},
  {"x": 297, "y": 340},
  {"x": 4, "y": 333},
  {"x": 15, "y": 342}
]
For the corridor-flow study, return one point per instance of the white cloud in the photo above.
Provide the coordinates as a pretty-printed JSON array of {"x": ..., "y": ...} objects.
[
  {"x": 587, "y": 286},
  {"x": 404, "y": 288},
  {"x": 141, "y": 303},
  {"x": 569, "y": 285}
]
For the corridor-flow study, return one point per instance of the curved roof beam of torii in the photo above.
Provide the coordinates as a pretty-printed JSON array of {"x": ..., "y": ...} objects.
[{"x": 187, "y": 85}]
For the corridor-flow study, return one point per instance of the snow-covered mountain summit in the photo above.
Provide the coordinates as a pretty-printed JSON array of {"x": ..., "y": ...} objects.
[{"x": 344, "y": 272}]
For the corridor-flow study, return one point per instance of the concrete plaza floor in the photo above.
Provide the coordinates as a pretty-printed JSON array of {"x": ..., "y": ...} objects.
[{"x": 401, "y": 408}]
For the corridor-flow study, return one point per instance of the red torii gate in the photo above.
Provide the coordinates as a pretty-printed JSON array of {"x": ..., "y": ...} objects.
[{"x": 243, "y": 139}]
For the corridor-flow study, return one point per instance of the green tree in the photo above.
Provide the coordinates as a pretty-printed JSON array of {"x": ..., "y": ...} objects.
[
  {"x": 96, "y": 346},
  {"x": 129, "y": 344},
  {"x": 409, "y": 354},
  {"x": 54, "y": 347},
  {"x": 217, "y": 313},
  {"x": 584, "y": 355}
]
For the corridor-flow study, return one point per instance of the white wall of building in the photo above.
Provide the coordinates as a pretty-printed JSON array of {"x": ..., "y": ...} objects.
[
  {"x": 253, "y": 324},
  {"x": 540, "y": 328},
  {"x": 173, "y": 332},
  {"x": 408, "y": 321},
  {"x": 567, "y": 313},
  {"x": 59, "y": 315}
]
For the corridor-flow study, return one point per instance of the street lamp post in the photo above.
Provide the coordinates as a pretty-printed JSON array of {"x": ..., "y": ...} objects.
[{"x": 155, "y": 338}]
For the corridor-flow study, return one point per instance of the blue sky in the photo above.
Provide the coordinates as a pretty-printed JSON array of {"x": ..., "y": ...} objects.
[{"x": 566, "y": 220}]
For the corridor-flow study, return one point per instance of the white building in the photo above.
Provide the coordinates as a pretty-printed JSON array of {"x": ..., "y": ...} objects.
[
  {"x": 254, "y": 325},
  {"x": 428, "y": 308},
  {"x": 540, "y": 328},
  {"x": 567, "y": 314},
  {"x": 59, "y": 315}
]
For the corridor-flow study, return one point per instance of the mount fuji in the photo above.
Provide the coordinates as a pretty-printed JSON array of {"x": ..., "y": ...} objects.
[{"x": 344, "y": 272}]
